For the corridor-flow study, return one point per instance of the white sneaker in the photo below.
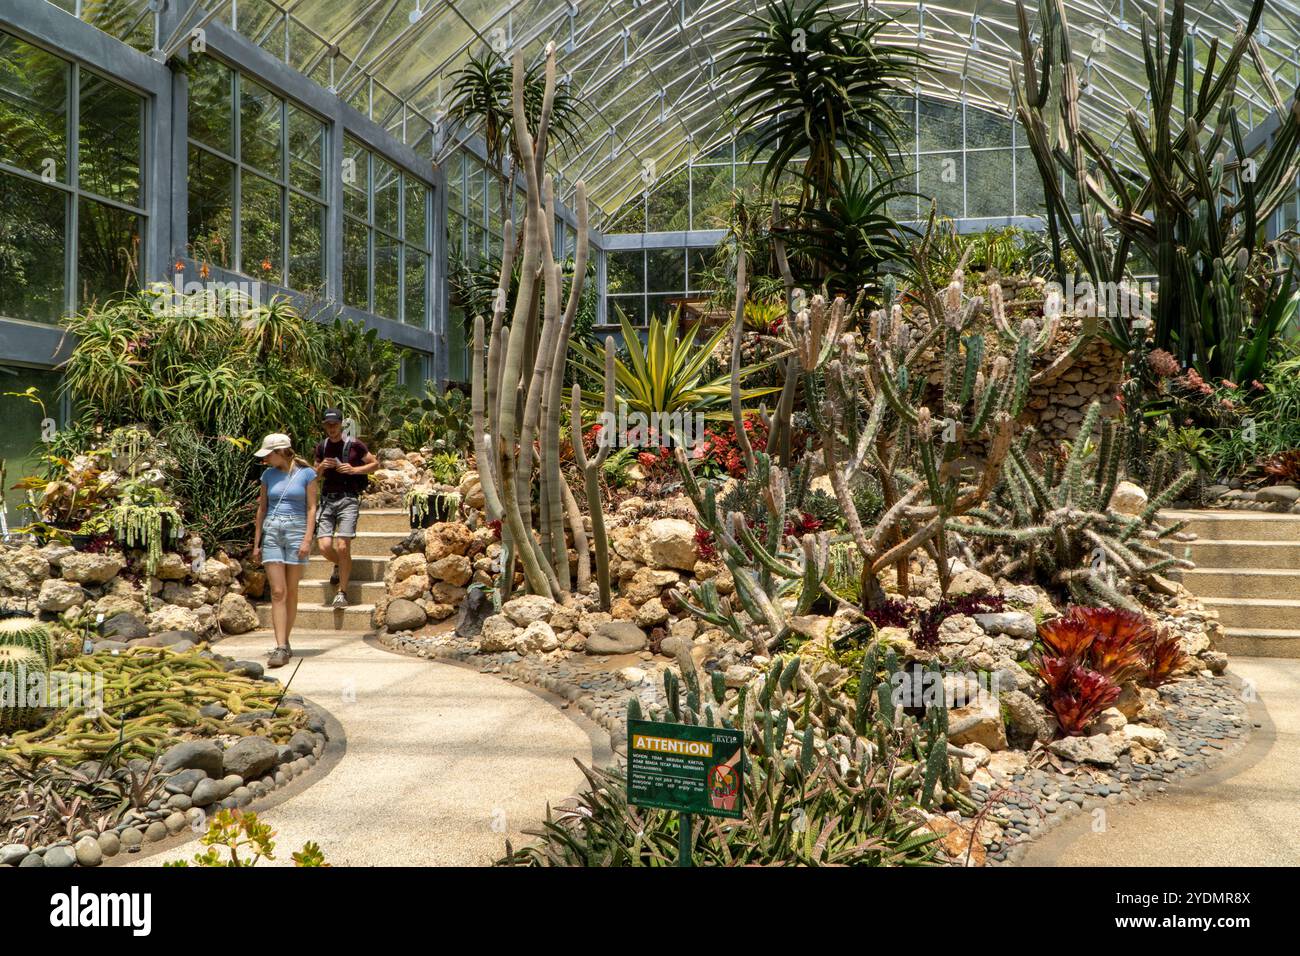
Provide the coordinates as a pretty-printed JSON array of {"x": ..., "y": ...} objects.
[{"x": 340, "y": 600}]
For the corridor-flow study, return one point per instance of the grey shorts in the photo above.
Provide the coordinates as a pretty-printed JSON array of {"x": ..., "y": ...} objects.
[{"x": 337, "y": 517}]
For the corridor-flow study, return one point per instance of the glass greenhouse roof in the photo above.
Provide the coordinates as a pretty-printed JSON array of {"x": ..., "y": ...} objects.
[{"x": 649, "y": 71}]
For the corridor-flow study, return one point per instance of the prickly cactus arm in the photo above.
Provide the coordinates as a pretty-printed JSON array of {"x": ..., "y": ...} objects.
[
  {"x": 495, "y": 340},
  {"x": 579, "y": 530},
  {"x": 737, "y": 331},
  {"x": 482, "y": 454}
]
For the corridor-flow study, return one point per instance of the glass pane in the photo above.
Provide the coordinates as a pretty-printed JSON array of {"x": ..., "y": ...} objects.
[
  {"x": 940, "y": 178},
  {"x": 988, "y": 183},
  {"x": 20, "y": 446},
  {"x": 306, "y": 151},
  {"x": 475, "y": 243},
  {"x": 416, "y": 271},
  {"x": 356, "y": 264},
  {"x": 456, "y": 184},
  {"x": 259, "y": 127},
  {"x": 661, "y": 307},
  {"x": 387, "y": 195},
  {"x": 905, "y": 207},
  {"x": 110, "y": 144},
  {"x": 475, "y": 193},
  {"x": 1029, "y": 185},
  {"x": 625, "y": 271},
  {"x": 987, "y": 129},
  {"x": 211, "y": 233},
  {"x": 698, "y": 261},
  {"x": 455, "y": 233},
  {"x": 356, "y": 179},
  {"x": 939, "y": 125},
  {"x": 387, "y": 265},
  {"x": 32, "y": 239},
  {"x": 632, "y": 306},
  {"x": 33, "y": 109},
  {"x": 260, "y": 228},
  {"x": 668, "y": 207},
  {"x": 108, "y": 251},
  {"x": 306, "y": 244},
  {"x": 416, "y": 195},
  {"x": 413, "y": 371},
  {"x": 710, "y": 196},
  {"x": 211, "y": 103},
  {"x": 666, "y": 270}
]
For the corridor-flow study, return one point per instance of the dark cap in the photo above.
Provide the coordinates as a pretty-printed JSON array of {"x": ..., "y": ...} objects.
[{"x": 332, "y": 415}]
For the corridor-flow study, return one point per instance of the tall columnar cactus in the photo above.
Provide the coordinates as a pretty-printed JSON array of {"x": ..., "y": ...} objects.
[
  {"x": 1197, "y": 205},
  {"x": 518, "y": 374},
  {"x": 1056, "y": 523},
  {"x": 590, "y": 469}
]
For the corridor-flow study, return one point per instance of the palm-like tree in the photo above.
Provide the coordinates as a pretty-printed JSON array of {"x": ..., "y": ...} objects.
[
  {"x": 817, "y": 82},
  {"x": 481, "y": 94}
]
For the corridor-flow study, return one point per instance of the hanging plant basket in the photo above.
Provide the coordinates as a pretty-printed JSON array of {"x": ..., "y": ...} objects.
[{"x": 425, "y": 507}]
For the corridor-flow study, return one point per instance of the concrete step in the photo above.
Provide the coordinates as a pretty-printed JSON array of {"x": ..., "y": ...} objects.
[
  {"x": 1259, "y": 642},
  {"x": 1242, "y": 582},
  {"x": 364, "y": 568},
  {"x": 1256, "y": 613},
  {"x": 1240, "y": 553},
  {"x": 1239, "y": 525},
  {"x": 376, "y": 543},
  {"x": 320, "y": 591},
  {"x": 315, "y": 617},
  {"x": 385, "y": 519}
]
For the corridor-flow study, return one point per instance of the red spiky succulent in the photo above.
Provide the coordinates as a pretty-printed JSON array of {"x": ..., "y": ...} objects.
[
  {"x": 1119, "y": 640},
  {"x": 1162, "y": 657},
  {"x": 1128, "y": 627},
  {"x": 1066, "y": 637},
  {"x": 1077, "y": 695}
]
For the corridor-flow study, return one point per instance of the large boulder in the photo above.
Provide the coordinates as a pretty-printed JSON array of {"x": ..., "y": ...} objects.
[
  {"x": 647, "y": 583},
  {"x": 497, "y": 634},
  {"x": 471, "y": 491},
  {"x": 1026, "y": 719},
  {"x": 184, "y": 595},
  {"x": 404, "y": 615},
  {"x": 23, "y": 569},
  {"x": 125, "y": 626},
  {"x": 236, "y": 615},
  {"x": 473, "y": 611},
  {"x": 455, "y": 569},
  {"x": 250, "y": 757},
  {"x": 527, "y": 608},
  {"x": 1100, "y": 749},
  {"x": 171, "y": 617},
  {"x": 215, "y": 573},
  {"x": 446, "y": 538},
  {"x": 202, "y": 755},
  {"x": 410, "y": 588},
  {"x": 616, "y": 637},
  {"x": 171, "y": 567},
  {"x": 58, "y": 595},
  {"x": 670, "y": 543},
  {"x": 537, "y": 637},
  {"x": 1128, "y": 499},
  {"x": 979, "y": 722},
  {"x": 401, "y": 568},
  {"x": 1015, "y": 624},
  {"x": 86, "y": 568}
]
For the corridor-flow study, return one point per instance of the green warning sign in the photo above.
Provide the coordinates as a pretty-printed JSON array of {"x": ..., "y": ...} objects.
[{"x": 687, "y": 768}]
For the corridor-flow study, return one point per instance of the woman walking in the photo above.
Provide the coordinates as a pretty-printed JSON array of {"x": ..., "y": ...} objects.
[{"x": 286, "y": 520}]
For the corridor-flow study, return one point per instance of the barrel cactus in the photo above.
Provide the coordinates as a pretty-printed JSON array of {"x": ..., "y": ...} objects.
[
  {"x": 30, "y": 633},
  {"x": 21, "y": 670}
]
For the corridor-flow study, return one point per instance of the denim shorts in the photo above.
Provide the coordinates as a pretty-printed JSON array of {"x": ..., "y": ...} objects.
[
  {"x": 282, "y": 537},
  {"x": 337, "y": 516}
]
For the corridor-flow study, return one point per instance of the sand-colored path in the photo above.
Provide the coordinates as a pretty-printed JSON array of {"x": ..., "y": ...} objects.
[
  {"x": 1245, "y": 812},
  {"x": 440, "y": 763}
]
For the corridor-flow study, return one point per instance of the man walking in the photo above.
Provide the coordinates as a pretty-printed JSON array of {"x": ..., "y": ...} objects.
[{"x": 343, "y": 464}]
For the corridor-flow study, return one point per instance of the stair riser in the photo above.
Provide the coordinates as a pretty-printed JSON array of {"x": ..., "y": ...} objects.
[
  {"x": 1236, "y": 646},
  {"x": 1226, "y": 584},
  {"x": 364, "y": 568},
  {"x": 1213, "y": 554},
  {"x": 322, "y": 592},
  {"x": 1265, "y": 616},
  {"x": 1245, "y": 529},
  {"x": 322, "y": 619},
  {"x": 380, "y": 546},
  {"x": 397, "y": 522}
]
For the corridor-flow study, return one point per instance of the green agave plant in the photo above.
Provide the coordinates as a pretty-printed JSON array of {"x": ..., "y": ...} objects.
[{"x": 667, "y": 374}]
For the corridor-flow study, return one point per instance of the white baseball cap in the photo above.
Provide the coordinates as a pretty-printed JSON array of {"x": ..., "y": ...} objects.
[{"x": 273, "y": 442}]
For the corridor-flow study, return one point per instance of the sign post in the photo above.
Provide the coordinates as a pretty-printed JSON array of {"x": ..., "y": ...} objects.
[{"x": 687, "y": 768}]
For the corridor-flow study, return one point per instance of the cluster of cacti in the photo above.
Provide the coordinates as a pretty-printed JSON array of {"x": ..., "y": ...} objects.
[
  {"x": 826, "y": 778},
  {"x": 148, "y": 695},
  {"x": 1198, "y": 206},
  {"x": 22, "y": 631},
  {"x": 1055, "y": 522},
  {"x": 517, "y": 379}
]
